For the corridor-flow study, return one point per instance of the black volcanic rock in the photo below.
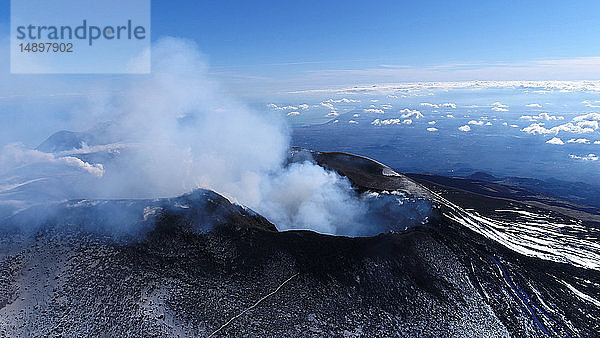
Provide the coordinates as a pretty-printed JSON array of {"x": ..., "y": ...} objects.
[
  {"x": 201, "y": 210},
  {"x": 505, "y": 189},
  {"x": 576, "y": 192},
  {"x": 240, "y": 277},
  {"x": 181, "y": 281}
]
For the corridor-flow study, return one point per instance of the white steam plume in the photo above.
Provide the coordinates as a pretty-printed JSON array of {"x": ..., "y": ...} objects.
[{"x": 174, "y": 131}]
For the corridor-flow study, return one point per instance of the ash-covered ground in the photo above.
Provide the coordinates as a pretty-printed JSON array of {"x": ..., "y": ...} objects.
[{"x": 481, "y": 264}]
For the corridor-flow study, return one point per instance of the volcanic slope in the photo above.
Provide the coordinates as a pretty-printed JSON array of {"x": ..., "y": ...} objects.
[{"x": 201, "y": 266}]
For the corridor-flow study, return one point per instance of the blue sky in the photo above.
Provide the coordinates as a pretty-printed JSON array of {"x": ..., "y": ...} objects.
[
  {"x": 363, "y": 33},
  {"x": 301, "y": 43}
]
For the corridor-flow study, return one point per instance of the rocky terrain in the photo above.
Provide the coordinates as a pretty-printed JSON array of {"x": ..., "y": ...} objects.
[{"x": 482, "y": 265}]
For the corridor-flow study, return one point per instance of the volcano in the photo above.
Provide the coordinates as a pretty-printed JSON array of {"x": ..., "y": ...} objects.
[{"x": 489, "y": 260}]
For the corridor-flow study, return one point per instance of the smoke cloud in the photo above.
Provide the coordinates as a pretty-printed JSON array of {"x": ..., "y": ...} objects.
[{"x": 172, "y": 132}]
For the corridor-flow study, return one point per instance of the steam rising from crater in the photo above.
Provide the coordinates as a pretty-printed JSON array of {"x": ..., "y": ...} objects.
[{"x": 174, "y": 131}]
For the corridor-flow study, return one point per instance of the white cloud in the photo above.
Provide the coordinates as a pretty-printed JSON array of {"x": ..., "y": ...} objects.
[
  {"x": 392, "y": 89},
  {"x": 294, "y": 113},
  {"x": 342, "y": 100},
  {"x": 464, "y": 128},
  {"x": 406, "y": 113},
  {"x": 476, "y": 123},
  {"x": 276, "y": 107},
  {"x": 378, "y": 122},
  {"x": 588, "y": 124},
  {"x": 332, "y": 114},
  {"x": 19, "y": 156},
  {"x": 94, "y": 169},
  {"x": 374, "y": 110},
  {"x": 589, "y": 157},
  {"x": 497, "y": 106},
  {"x": 449, "y": 105},
  {"x": 386, "y": 106},
  {"x": 488, "y": 123},
  {"x": 450, "y": 116},
  {"x": 588, "y": 117},
  {"x": 533, "y": 105},
  {"x": 430, "y": 105},
  {"x": 579, "y": 140},
  {"x": 577, "y": 128},
  {"x": 514, "y": 126},
  {"x": 328, "y": 106},
  {"x": 303, "y": 106},
  {"x": 590, "y": 104},
  {"x": 542, "y": 116},
  {"x": 537, "y": 129},
  {"x": 356, "y": 115},
  {"x": 555, "y": 140},
  {"x": 431, "y": 122},
  {"x": 352, "y": 122},
  {"x": 432, "y": 129}
]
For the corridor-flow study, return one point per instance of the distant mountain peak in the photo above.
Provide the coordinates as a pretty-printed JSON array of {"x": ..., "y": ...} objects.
[{"x": 64, "y": 140}]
